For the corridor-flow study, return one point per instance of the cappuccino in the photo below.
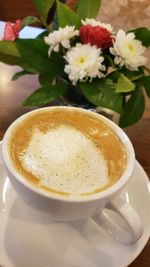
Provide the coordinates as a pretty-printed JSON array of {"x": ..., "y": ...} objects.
[{"x": 67, "y": 152}]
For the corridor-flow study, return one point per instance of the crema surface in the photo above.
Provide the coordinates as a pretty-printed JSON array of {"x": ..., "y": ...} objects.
[{"x": 70, "y": 153}]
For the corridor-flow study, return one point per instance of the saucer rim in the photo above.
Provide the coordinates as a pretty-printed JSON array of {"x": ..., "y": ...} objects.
[
  {"x": 147, "y": 237},
  {"x": 141, "y": 246}
]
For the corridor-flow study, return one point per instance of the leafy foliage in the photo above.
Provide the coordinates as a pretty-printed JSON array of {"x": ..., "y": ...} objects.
[
  {"x": 146, "y": 83},
  {"x": 122, "y": 90},
  {"x": 10, "y": 54},
  {"x": 19, "y": 74},
  {"x": 133, "y": 109},
  {"x": 124, "y": 85},
  {"x": 45, "y": 94},
  {"x": 43, "y": 7},
  {"x": 88, "y": 8},
  {"x": 66, "y": 16},
  {"x": 34, "y": 52},
  {"x": 101, "y": 92},
  {"x": 29, "y": 20},
  {"x": 143, "y": 34}
]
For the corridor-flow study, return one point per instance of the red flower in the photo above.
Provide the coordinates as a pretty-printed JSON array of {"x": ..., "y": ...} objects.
[
  {"x": 96, "y": 35},
  {"x": 11, "y": 31}
]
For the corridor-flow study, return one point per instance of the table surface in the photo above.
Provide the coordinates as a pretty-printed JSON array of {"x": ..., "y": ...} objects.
[{"x": 13, "y": 93}]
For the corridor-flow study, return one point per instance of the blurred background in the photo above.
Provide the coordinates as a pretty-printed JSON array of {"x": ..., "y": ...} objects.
[
  {"x": 18, "y": 9},
  {"x": 124, "y": 14}
]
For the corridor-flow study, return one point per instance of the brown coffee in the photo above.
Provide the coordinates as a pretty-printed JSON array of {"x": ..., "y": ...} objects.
[{"x": 67, "y": 152}]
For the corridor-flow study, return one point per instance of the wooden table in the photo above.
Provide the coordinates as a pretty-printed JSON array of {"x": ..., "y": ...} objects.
[{"x": 13, "y": 93}]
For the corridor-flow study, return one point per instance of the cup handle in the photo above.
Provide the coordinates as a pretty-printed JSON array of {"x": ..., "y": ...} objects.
[{"x": 129, "y": 217}]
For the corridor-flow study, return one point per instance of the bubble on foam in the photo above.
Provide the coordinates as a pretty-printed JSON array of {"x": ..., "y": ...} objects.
[{"x": 64, "y": 159}]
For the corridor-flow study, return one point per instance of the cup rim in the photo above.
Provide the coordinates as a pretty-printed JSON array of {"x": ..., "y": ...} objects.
[{"x": 117, "y": 186}]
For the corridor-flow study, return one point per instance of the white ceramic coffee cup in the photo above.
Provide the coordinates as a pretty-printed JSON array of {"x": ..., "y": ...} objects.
[{"x": 65, "y": 209}]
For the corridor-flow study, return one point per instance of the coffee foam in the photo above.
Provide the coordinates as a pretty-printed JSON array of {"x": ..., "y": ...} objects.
[{"x": 65, "y": 160}]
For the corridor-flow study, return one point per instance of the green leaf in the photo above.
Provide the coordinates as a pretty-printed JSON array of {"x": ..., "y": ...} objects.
[
  {"x": 42, "y": 35},
  {"x": 114, "y": 76},
  {"x": 55, "y": 22},
  {"x": 29, "y": 20},
  {"x": 133, "y": 109},
  {"x": 88, "y": 8},
  {"x": 146, "y": 82},
  {"x": 47, "y": 77},
  {"x": 45, "y": 95},
  {"x": 10, "y": 54},
  {"x": 16, "y": 61},
  {"x": 9, "y": 48},
  {"x": 109, "y": 61},
  {"x": 133, "y": 75},
  {"x": 43, "y": 6},
  {"x": 19, "y": 74},
  {"x": 143, "y": 34},
  {"x": 35, "y": 53},
  {"x": 66, "y": 16},
  {"x": 10, "y": 60},
  {"x": 101, "y": 92},
  {"x": 124, "y": 85}
]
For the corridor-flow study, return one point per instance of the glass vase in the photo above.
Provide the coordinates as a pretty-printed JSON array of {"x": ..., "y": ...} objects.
[{"x": 75, "y": 98}]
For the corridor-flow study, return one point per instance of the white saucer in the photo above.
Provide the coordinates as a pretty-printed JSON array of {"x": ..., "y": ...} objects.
[{"x": 29, "y": 239}]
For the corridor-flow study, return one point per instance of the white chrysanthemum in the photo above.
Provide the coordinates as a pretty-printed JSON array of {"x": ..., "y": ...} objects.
[
  {"x": 62, "y": 36},
  {"x": 94, "y": 23},
  {"x": 84, "y": 61},
  {"x": 128, "y": 51}
]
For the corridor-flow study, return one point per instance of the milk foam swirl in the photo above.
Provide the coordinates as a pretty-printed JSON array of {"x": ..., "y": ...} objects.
[
  {"x": 64, "y": 159},
  {"x": 70, "y": 153}
]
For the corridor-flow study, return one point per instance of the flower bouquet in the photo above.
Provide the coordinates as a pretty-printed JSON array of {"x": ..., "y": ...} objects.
[{"x": 108, "y": 67}]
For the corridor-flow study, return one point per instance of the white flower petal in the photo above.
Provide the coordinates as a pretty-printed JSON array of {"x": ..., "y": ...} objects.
[
  {"x": 62, "y": 36},
  {"x": 66, "y": 44},
  {"x": 50, "y": 51},
  {"x": 112, "y": 51},
  {"x": 56, "y": 48},
  {"x": 94, "y": 22},
  {"x": 128, "y": 51},
  {"x": 47, "y": 40},
  {"x": 83, "y": 62}
]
